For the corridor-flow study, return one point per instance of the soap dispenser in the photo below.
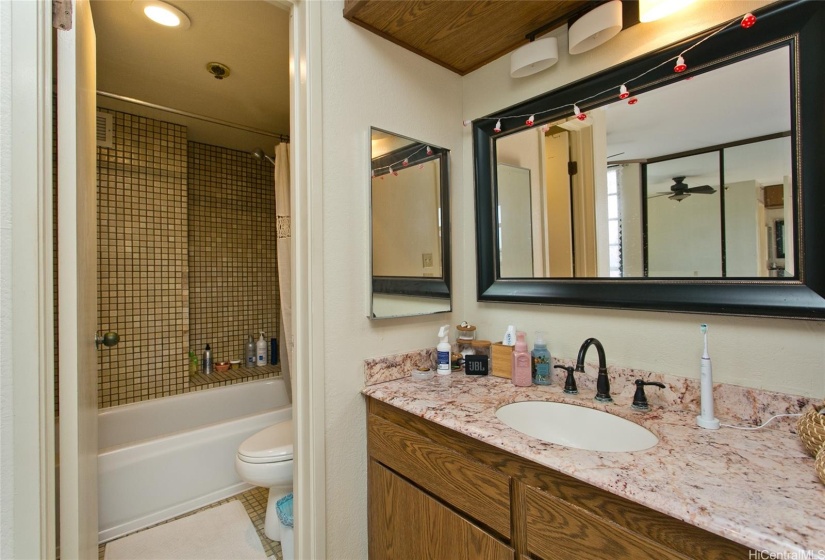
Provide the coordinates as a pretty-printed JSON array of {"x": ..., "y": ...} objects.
[
  {"x": 540, "y": 361},
  {"x": 261, "y": 353},
  {"x": 521, "y": 362}
]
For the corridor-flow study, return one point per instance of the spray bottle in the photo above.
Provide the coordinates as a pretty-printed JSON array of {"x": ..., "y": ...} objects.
[
  {"x": 444, "y": 350},
  {"x": 261, "y": 350},
  {"x": 706, "y": 419}
]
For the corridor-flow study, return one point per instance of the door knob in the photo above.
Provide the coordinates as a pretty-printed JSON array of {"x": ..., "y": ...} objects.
[{"x": 109, "y": 339}]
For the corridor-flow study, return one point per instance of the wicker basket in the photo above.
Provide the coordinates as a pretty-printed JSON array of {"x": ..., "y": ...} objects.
[
  {"x": 811, "y": 428},
  {"x": 820, "y": 464}
]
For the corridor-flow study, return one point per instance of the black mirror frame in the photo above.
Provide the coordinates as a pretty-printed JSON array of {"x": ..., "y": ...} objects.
[
  {"x": 438, "y": 288},
  {"x": 799, "y": 25}
]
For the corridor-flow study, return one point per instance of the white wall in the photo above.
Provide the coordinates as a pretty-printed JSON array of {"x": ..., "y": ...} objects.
[
  {"x": 775, "y": 354},
  {"x": 368, "y": 81},
  {"x": 6, "y": 385}
]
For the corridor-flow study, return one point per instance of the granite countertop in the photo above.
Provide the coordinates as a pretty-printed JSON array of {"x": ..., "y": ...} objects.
[{"x": 758, "y": 488}]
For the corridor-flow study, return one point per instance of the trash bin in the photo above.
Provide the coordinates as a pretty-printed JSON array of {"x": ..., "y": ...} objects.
[{"x": 284, "y": 509}]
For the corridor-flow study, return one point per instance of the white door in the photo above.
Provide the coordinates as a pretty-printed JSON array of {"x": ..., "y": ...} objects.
[{"x": 77, "y": 284}]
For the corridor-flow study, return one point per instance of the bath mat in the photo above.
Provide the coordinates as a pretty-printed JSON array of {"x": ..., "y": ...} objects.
[{"x": 217, "y": 533}]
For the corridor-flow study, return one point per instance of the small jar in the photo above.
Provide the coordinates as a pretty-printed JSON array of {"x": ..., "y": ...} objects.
[{"x": 465, "y": 332}]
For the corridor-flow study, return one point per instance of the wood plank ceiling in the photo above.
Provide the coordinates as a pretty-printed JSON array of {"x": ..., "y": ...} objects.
[{"x": 462, "y": 35}]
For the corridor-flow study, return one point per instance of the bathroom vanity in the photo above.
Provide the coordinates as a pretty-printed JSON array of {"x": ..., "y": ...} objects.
[{"x": 447, "y": 479}]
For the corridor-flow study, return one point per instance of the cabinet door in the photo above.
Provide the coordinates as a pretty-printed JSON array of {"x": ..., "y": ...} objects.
[{"x": 407, "y": 524}]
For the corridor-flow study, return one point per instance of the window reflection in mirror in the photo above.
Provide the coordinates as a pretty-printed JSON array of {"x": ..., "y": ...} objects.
[
  {"x": 409, "y": 226},
  {"x": 689, "y": 181}
]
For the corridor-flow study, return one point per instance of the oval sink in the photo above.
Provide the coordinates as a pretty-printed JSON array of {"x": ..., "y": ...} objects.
[{"x": 576, "y": 426}]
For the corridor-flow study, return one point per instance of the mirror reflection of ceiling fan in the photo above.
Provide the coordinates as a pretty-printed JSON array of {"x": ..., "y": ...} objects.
[{"x": 680, "y": 191}]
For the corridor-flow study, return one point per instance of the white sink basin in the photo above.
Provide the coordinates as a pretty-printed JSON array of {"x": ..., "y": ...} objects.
[{"x": 576, "y": 426}]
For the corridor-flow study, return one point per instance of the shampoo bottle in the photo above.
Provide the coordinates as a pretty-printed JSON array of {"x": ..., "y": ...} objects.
[
  {"x": 521, "y": 362},
  {"x": 261, "y": 351},
  {"x": 444, "y": 350},
  {"x": 250, "y": 352},
  {"x": 541, "y": 361},
  {"x": 206, "y": 363}
]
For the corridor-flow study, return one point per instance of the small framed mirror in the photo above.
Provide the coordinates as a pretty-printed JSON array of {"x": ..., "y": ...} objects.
[{"x": 409, "y": 226}]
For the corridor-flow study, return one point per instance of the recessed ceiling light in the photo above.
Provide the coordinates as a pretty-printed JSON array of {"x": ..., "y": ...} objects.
[{"x": 162, "y": 13}]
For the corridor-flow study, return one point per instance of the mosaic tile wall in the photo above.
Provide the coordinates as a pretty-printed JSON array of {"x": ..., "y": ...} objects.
[
  {"x": 144, "y": 200},
  {"x": 142, "y": 260},
  {"x": 233, "y": 275}
]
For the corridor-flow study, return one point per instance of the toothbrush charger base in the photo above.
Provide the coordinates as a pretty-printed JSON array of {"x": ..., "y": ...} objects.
[{"x": 712, "y": 424}]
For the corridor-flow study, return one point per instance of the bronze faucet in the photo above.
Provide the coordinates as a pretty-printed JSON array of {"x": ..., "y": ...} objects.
[{"x": 602, "y": 382}]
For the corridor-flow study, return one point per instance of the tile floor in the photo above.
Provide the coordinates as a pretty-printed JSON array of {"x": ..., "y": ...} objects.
[{"x": 254, "y": 501}]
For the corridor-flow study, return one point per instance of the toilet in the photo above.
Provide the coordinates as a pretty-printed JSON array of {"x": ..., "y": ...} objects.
[{"x": 265, "y": 459}]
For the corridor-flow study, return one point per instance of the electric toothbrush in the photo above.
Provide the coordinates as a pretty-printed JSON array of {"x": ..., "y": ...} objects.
[{"x": 706, "y": 419}]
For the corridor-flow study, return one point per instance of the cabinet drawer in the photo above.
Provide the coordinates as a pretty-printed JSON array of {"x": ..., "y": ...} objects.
[
  {"x": 476, "y": 490},
  {"x": 556, "y": 529}
]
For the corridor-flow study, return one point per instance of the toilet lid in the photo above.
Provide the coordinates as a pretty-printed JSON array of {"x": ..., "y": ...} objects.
[{"x": 270, "y": 445}]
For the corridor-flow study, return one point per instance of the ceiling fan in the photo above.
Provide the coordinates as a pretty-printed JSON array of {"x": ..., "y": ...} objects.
[{"x": 680, "y": 191}]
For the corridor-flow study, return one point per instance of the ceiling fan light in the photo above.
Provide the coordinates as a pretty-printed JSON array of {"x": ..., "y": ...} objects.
[{"x": 678, "y": 197}]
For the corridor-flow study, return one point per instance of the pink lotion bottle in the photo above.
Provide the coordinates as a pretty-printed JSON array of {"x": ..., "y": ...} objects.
[{"x": 521, "y": 371}]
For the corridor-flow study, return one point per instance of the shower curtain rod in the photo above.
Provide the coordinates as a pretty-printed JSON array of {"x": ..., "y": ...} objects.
[{"x": 280, "y": 137}]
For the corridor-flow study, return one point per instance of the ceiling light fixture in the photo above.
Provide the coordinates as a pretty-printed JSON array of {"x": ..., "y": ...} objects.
[
  {"x": 534, "y": 57},
  {"x": 651, "y": 10},
  {"x": 162, "y": 13},
  {"x": 596, "y": 27}
]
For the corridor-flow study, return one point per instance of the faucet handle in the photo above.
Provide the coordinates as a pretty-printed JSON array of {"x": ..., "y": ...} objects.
[
  {"x": 639, "y": 398},
  {"x": 570, "y": 383}
]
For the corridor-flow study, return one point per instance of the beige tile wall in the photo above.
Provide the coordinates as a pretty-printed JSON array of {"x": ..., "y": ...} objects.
[
  {"x": 157, "y": 275},
  {"x": 142, "y": 260},
  {"x": 233, "y": 275}
]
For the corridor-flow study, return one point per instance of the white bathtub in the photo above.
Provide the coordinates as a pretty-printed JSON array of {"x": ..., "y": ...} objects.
[{"x": 164, "y": 457}]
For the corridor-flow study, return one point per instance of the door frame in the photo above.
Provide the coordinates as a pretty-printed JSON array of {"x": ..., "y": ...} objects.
[
  {"x": 28, "y": 329},
  {"x": 31, "y": 339},
  {"x": 306, "y": 130}
]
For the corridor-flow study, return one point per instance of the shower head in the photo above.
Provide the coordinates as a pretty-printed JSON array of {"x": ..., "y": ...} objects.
[{"x": 261, "y": 156}]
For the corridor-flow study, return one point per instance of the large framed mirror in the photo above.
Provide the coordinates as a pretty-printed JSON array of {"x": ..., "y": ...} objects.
[
  {"x": 703, "y": 194},
  {"x": 410, "y": 226}
]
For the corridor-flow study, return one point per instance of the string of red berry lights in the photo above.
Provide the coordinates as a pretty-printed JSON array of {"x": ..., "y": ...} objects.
[
  {"x": 746, "y": 22},
  {"x": 401, "y": 163}
]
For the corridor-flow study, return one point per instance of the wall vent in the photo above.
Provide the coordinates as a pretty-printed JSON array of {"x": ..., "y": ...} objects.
[{"x": 105, "y": 130}]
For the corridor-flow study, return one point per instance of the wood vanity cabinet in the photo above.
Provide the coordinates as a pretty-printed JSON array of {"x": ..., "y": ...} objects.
[{"x": 435, "y": 493}]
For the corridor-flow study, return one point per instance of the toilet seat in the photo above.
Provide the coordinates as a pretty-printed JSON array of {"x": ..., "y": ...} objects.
[{"x": 270, "y": 445}]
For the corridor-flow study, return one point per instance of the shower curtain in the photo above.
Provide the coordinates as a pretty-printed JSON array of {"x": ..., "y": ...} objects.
[{"x": 282, "y": 212}]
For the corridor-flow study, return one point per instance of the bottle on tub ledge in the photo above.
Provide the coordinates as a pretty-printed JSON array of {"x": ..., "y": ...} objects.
[
  {"x": 522, "y": 375},
  {"x": 250, "y": 352},
  {"x": 261, "y": 351},
  {"x": 206, "y": 363}
]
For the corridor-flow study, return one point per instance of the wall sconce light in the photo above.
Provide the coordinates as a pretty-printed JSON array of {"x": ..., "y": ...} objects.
[
  {"x": 595, "y": 27},
  {"x": 534, "y": 57},
  {"x": 651, "y": 10}
]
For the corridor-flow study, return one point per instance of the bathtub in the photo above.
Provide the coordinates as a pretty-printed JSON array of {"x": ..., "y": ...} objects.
[{"x": 164, "y": 457}]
